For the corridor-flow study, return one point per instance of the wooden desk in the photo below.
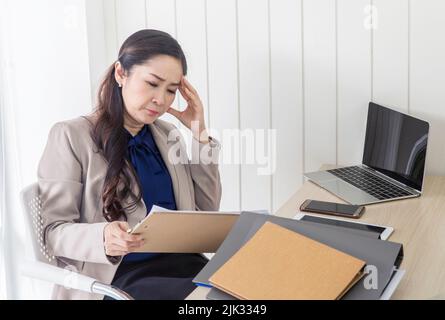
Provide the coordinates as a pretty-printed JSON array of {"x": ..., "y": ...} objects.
[{"x": 419, "y": 224}]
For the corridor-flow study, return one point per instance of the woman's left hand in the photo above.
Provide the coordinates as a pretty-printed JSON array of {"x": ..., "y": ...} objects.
[{"x": 193, "y": 113}]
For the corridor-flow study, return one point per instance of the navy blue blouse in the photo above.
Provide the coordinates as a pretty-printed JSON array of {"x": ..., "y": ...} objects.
[{"x": 155, "y": 180}]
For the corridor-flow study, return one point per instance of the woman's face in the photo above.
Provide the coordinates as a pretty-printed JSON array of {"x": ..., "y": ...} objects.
[{"x": 149, "y": 89}]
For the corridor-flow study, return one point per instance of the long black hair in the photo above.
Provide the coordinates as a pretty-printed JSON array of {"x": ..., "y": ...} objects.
[{"x": 108, "y": 131}]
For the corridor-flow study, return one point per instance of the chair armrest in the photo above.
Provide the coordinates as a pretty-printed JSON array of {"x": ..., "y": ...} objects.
[
  {"x": 62, "y": 277},
  {"x": 70, "y": 279}
]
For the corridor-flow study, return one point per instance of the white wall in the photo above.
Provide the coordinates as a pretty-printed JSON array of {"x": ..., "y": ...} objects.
[{"x": 307, "y": 68}]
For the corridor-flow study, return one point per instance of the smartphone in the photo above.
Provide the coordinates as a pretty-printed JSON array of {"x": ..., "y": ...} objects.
[{"x": 332, "y": 208}]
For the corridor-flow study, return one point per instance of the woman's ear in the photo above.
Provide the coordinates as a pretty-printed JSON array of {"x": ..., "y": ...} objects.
[{"x": 119, "y": 74}]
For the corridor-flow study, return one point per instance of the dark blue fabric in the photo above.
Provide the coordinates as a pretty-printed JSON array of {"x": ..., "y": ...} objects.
[
  {"x": 167, "y": 276},
  {"x": 156, "y": 183}
]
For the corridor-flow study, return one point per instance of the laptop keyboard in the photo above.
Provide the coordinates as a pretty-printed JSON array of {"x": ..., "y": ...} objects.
[{"x": 375, "y": 186}]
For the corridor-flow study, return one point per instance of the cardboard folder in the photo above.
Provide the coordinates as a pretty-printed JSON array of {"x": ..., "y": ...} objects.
[
  {"x": 184, "y": 231},
  {"x": 277, "y": 263}
]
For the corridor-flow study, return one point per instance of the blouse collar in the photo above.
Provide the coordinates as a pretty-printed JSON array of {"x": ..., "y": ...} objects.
[{"x": 143, "y": 137}]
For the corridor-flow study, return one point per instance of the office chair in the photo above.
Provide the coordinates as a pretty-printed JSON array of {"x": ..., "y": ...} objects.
[{"x": 44, "y": 266}]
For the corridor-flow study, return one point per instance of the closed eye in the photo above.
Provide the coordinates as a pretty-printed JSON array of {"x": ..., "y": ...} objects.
[{"x": 155, "y": 85}]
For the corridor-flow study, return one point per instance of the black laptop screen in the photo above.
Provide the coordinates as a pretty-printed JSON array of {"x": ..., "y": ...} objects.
[{"x": 395, "y": 145}]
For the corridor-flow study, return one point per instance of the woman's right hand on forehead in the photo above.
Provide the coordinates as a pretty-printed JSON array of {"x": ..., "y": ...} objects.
[{"x": 117, "y": 241}]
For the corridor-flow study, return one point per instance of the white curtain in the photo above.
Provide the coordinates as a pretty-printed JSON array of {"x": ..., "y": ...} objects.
[
  {"x": 4, "y": 283},
  {"x": 44, "y": 79}
]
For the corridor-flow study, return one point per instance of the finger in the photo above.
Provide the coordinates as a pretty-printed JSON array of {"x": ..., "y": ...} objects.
[
  {"x": 130, "y": 237},
  {"x": 122, "y": 232},
  {"x": 186, "y": 85},
  {"x": 191, "y": 99},
  {"x": 127, "y": 236},
  {"x": 121, "y": 244},
  {"x": 123, "y": 226},
  {"x": 115, "y": 253},
  {"x": 118, "y": 244},
  {"x": 185, "y": 93},
  {"x": 189, "y": 86},
  {"x": 190, "y": 94},
  {"x": 174, "y": 112},
  {"x": 126, "y": 243},
  {"x": 112, "y": 249}
]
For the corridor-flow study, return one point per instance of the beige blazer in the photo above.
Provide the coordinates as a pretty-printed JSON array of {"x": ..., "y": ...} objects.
[{"x": 71, "y": 175}]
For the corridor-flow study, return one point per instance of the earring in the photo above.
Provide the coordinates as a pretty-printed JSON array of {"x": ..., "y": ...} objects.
[{"x": 120, "y": 85}]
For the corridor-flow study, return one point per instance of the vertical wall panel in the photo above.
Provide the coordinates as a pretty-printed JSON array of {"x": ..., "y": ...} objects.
[
  {"x": 97, "y": 48},
  {"x": 191, "y": 24},
  {"x": 254, "y": 97},
  {"x": 112, "y": 46},
  {"x": 354, "y": 78},
  {"x": 161, "y": 15},
  {"x": 427, "y": 70},
  {"x": 223, "y": 94},
  {"x": 390, "y": 54},
  {"x": 287, "y": 97},
  {"x": 130, "y": 17},
  {"x": 319, "y": 83},
  {"x": 191, "y": 28}
]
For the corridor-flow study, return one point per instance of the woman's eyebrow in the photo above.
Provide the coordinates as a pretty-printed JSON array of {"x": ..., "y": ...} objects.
[{"x": 175, "y": 84}]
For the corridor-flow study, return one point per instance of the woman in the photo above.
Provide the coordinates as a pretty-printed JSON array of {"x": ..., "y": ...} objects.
[{"x": 100, "y": 174}]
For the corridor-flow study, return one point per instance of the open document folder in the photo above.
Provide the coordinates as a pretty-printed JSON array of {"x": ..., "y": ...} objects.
[
  {"x": 277, "y": 263},
  {"x": 184, "y": 231}
]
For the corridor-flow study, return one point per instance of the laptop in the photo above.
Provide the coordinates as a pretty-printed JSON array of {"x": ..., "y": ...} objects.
[{"x": 393, "y": 165}]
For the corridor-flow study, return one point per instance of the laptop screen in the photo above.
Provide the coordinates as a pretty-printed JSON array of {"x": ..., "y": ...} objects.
[{"x": 395, "y": 145}]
